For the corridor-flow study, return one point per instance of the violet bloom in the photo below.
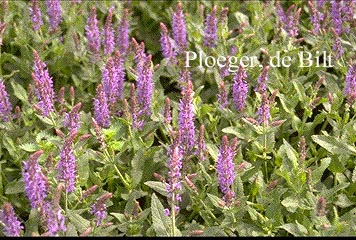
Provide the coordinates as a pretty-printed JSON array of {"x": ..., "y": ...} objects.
[
  {"x": 350, "y": 85},
  {"x": 186, "y": 119},
  {"x": 54, "y": 13},
  {"x": 336, "y": 16},
  {"x": 225, "y": 166},
  {"x": 135, "y": 111},
  {"x": 108, "y": 34},
  {"x": 12, "y": 225},
  {"x": 174, "y": 186},
  {"x": 179, "y": 30},
  {"x": 92, "y": 32},
  {"x": 314, "y": 17},
  {"x": 289, "y": 20},
  {"x": 55, "y": 219},
  {"x": 101, "y": 108},
  {"x": 109, "y": 81},
  {"x": 5, "y": 105},
  {"x": 113, "y": 77},
  {"x": 337, "y": 47},
  {"x": 72, "y": 119},
  {"x": 201, "y": 151},
  {"x": 99, "y": 208},
  {"x": 222, "y": 95},
  {"x": 67, "y": 163},
  {"x": 240, "y": 89},
  {"x": 166, "y": 43},
  {"x": 145, "y": 87},
  {"x": 36, "y": 15},
  {"x": 122, "y": 40},
  {"x": 211, "y": 29},
  {"x": 119, "y": 68},
  {"x": 43, "y": 86},
  {"x": 262, "y": 81},
  {"x": 140, "y": 55},
  {"x": 36, "y": 183},
  {"x": 264, "y": 111}
]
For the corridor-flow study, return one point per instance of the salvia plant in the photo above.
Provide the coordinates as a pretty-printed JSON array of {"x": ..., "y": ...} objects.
[{"x": 177, "y": 118}]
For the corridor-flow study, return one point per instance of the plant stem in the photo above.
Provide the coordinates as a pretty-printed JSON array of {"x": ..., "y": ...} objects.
[{"x": 173, "y": 215}]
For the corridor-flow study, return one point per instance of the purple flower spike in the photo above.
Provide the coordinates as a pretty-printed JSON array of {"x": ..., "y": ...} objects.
[
  {"x": 71, "y": 119},
  {"x": 145, "y": 87},
  {"x": 166, "y": 43},
  {"x": 263, "y": 111},
  {"x": 108, "y": 34},
  {"x": 240, "y": 89},
  {"x": 315, "y": 18},
  {"x": 123, "y": 39},
  {"x": 8, "y": 217},
  {"x": 92, "y": 32},
  {"x": 67, "y": 164},
  {"x": 186, "y": 119},
  {"x": 54, "y": 13},
  {"x": 179, "y": 30},
  {"x": 262, "y": 81},
  {"x": 5, "y": 105},
  {"x": 225, "y": 165},
  {"x": 99, "y": 208},
  {"x": 350, "y": 85},
  {"x": 55, "y": 219},
  {"x": 211, "y": 29},
  {"x": 222, "y": 96},
  {"x": 43, "y": 86},
  {"x": 174, "y": 166},
  {"x": 336, "y": 16},
  {"x": 36, "y": 15},
  {"x": 101, "y": 108},
  {"x": 120, "y": 74},
  {"x": 36, "y": 183},
  {"x": 337, "y": 47},
  {"x": 289, "y": 20}
]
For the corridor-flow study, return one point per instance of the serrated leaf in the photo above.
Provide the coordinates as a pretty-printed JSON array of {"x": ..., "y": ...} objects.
[
  {"x": 343, "y": 201},
  {"x": 216, "y": 201},
  {"x": 160, "y": 187},
  {"x": 15, "y": 187},
  {"x": 19, "y": 91},
  {"x": 318, "y": 172},
  {"x": 295, "y": 229},
  {"x": 161, "y": 223},
  {"x": 334, "y": 145},
  {"x": 28, "y": 147},
  {"x": 291, "y": 204},
  {"x": 79, "y": 222}
]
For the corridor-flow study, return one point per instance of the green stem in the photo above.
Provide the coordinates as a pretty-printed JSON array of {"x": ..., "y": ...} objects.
[
  {"x": 127, "y": 185},
  {"x": 173, "y": 215}
]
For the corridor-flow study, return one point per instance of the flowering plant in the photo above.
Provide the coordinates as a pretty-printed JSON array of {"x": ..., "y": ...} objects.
[{"x": 169, "y": 118}]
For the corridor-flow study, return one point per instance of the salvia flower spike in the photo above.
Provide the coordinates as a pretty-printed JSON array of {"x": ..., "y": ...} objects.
[{"x": 12, "y": 225}]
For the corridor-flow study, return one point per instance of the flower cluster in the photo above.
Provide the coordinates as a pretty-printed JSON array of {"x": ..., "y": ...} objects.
[
  {"x": 36, "y": 183},
  {"x": 99, "y": 208},
  {"x": 5, "y": 105},
  {"x": 43, "y": 86},
  {"x": 8, "y": 217}
]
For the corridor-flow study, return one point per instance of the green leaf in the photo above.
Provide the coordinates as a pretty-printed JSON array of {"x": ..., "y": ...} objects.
[
  {"x": 334, "y": 145},
  {"x": 19, "y": 91},
  {"x": 295, "y": 229},
  {"x": 31, "y": 224},
  {"x": 343, "y": 201},
  {"x": 160, "y": 187},
  {"x": 15, "y": 187},
  {"x": 79, "y": 222},
  {"x": 215, "y": 200},
  {"x": 28, "y": 147},
  {"x": 291, "y": 204},
  {"x": 318, "y": 172},
  {"x": 161, "y": 223}
]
